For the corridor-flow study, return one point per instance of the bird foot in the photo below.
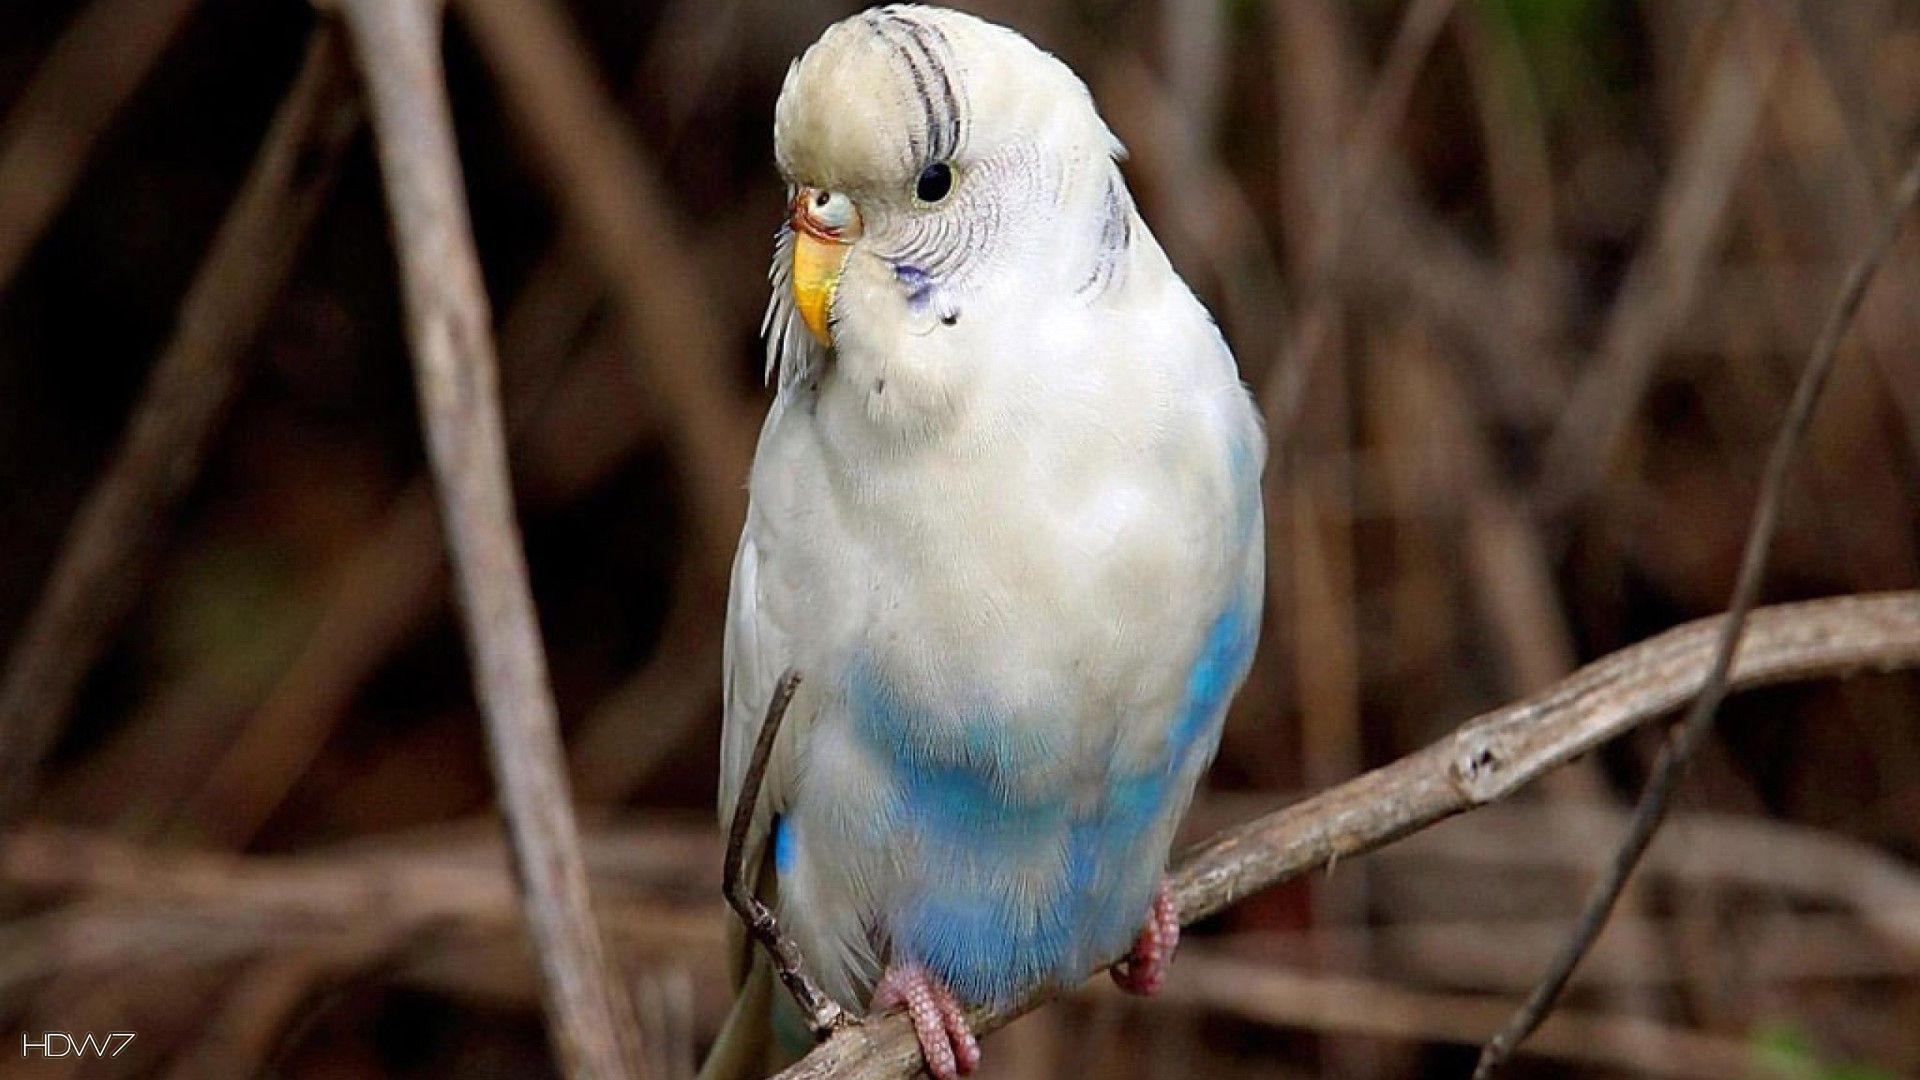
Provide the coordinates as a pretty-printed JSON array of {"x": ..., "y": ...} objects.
[
  {"x": 1143, "y": 970},
  {"x": 946, "y": 1037}
]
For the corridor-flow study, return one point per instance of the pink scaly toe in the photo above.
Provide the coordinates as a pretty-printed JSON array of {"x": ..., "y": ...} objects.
[
  {"x": 946, "y": 1038},
  {"x": 1144, "y": 970}
]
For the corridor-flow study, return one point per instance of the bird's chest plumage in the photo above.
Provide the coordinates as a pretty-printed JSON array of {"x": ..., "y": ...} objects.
[
  {"x": 1035, "y": 570},
  {"x": 1008, "y": 621}
]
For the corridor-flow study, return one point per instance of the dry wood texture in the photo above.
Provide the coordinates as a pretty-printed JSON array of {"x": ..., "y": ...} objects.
[{"x": 397, "y": 46}]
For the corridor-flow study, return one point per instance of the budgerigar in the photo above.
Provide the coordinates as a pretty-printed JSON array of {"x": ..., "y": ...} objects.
[{"x": 1005, "y": 522}]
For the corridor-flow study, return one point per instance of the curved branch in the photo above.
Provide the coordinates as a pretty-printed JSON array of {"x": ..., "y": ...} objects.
[{"x": 1483, "y": 761}]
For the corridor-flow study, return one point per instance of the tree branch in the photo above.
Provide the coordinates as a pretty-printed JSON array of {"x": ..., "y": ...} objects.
[
  {"x": 397, "y": 46},
  {"x": 1484, "y": 761},
  {"x": 1673, "y": 759},
  {"x": 822, "y": 1013}
]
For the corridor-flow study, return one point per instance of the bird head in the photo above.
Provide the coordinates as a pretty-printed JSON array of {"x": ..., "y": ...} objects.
[{"x": 940, "y": 168}]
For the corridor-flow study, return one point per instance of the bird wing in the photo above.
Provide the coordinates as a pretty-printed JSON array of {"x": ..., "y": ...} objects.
[{"x": 758, "y": 650}]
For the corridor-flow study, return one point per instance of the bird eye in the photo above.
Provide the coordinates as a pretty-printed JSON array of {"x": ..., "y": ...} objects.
[
  {"x": 832, "y": 209},
  {"x": 934, "y": 183}
]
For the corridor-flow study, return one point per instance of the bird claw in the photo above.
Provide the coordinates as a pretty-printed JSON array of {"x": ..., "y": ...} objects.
[
  {"x": 1144, "y": 969},
  {"x": 946, "y": 1037}
]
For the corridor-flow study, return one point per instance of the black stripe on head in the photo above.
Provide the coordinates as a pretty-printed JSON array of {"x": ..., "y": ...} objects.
[
  {"x": 938, "y": 53},
  {"x": 914, "y": 44},
  {"x": 1116, "y": 236}
]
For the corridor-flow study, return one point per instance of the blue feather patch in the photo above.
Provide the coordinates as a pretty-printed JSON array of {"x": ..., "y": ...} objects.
[
  {"x": 1217, "y": 670},
  {"x": 785, "y": 846},
  {"x": 954, "y": 773},
  {"x": 974, "y": 829}
]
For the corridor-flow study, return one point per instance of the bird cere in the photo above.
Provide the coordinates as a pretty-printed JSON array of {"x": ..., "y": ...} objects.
[{"x": 1015, "y": 557}]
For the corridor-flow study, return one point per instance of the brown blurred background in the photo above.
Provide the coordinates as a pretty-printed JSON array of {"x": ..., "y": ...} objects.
[{"x": 1527, "y": 305}]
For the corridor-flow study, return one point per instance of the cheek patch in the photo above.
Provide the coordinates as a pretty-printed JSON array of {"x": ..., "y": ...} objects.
[{"x": 918, "y": 284}]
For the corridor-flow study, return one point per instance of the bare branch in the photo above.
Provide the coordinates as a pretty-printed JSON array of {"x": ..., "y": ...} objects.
[
  {"x": 397, "y": 46},
  {"x": 92, "y": 585},
  {"x": 820, "y": 1009},
  {"x": 1484, "y": 761},
  {"x": 1673, "y": 759}
]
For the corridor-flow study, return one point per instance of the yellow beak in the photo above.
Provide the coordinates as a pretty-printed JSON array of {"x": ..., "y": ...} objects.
[
  {"x": 816, "y": 277},
  {"x": 824, "y": 224}
]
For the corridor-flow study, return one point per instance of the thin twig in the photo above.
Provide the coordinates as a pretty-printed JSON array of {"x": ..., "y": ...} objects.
[
  {"x": 92, "y": 585},
  {"x": 822, "y": 1012},
  {"x": 1484, "y": 761},
  {"x": 397, "y": 46},
  {"x": 1672, "y": 762}
]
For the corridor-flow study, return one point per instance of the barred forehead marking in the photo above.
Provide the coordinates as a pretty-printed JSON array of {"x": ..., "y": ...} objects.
[
  {"x": 939, "y": 53},
  {"x": 916, "y": 52},
  {"x": 1116, "y": 236}
]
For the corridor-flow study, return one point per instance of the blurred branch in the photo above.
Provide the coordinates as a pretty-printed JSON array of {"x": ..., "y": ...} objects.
[
  {"x": 128, "y": 907},
  {"x": 1679, "y": 751},
  {"x": 645, "y": 722},
  {"x": 1697, "y": 849},
  {"x": 239, "y": 1038},
  {"x": 1659, "y": 287},
  {"x": 652, "y": 891},
  {"x": 397, "y": 46},
  {"x": 448, "y": 878},
  {"x": 1266, "y": 994},
  {"x": 1503, "y": 954},
  {"x": 382, "y": 591},
  {"x": 103, "y": 55},
  {"x": 93, "y": 582},
  {"x": 393, "y": 582},
  {"x": 617, "y": 211},
  {"x": 1359, "y": 166},
  {"x": 1482, "y": 762},
  {"x": 1199, "y": 203}
]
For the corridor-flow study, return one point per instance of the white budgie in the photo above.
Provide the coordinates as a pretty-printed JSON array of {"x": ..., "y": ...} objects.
[{"x": 1005, "y": 523}]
